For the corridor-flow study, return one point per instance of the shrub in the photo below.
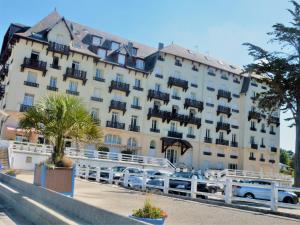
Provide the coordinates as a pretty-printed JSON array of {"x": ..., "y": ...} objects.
[
  {"x": 149, "y": 211},
  {"x": 127, "y": 151},
  {"x": 11, "y": 172},
  {"x": 65, "y": 162},
  {"x": 103, "y": 149}
]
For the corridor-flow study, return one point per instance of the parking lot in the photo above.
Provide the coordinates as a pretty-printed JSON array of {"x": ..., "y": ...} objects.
[{"x": 122, "y": 201}]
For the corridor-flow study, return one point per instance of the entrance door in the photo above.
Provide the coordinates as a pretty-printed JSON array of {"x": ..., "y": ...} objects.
[{"x": 171, "y": 155}]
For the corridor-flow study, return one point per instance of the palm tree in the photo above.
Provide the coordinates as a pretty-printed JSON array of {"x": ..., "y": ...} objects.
[{"x": 58, "y": 116}]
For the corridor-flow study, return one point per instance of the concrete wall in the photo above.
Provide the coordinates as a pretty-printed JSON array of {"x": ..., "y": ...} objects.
[{"x": 21, "y": 160}]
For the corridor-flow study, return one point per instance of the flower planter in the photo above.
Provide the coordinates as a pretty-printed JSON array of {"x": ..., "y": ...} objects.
[
  {"x": 59, "y": 179},
  {"x": 160, "y": 221}
]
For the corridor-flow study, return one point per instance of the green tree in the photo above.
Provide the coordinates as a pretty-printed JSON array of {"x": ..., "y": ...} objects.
[
  {"x": 284, "y": 157},
  {"x": 58, "y": 116},
  {"x": 281, "y": 70}
]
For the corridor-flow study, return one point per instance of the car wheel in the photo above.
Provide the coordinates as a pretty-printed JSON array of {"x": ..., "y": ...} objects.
[
  {"x": 288, "y": 200},
  {"x": 249, "y": 195}
]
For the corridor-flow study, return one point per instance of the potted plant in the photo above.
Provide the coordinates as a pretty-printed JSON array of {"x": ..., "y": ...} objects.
[
  {"x": 11, "y": 173},
  {"x": 58, "y": 116},
  {"x": 150, "y": 214}
]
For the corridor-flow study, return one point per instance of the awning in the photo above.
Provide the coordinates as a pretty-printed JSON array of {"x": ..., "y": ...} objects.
[{"x": 167, "y": 142}]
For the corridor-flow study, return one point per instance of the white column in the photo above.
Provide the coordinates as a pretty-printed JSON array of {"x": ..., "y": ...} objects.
[
  {"x": 110, "y": 176},
  {"x": 166, "y": 184},
  {"x": 98, "y": 174},
  {"x": 126, "y": 176},
  {"x": 194, "y": 186},
  {"x": 228, "y": 191},
  {"x": 274, "y": 197}
]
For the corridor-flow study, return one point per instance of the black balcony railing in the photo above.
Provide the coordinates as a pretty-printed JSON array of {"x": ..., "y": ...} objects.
[
  {"x": 174, "y": 134},
  {"x": 100, "y": 79},
  {"x": 138, "y": 88},
  {"x": 25, "y": 108},
  {"x": 96, "y": 99},
  {"x": 271, "y": 161},
  {"x": 70, "y": 92},
  {"x": 154, "y": 112},
  {"x": 234, "y": 144},
  {"x": 2, "y": 91},
  {"x": 136, "y": 107},
  {"x": 155, "y": 130},
  {"x": 34, "y": 64},
  {"x": 222, "y": 142},
  {"x": 191, "y": 136},
  {"x": 273, "y": 149},
  {"x": 97, "y": 121},
  {"x": 59, "y": 48},
  {"x": 178, "y": 83},
  {"x": 4, "y": 71},
  {"x": 262, "y": 159},
  {"x": 224, "y": 110},
  {"x": 120, "y": 86},
  {"x": 254, "y": 146},
  {"x": 263, "y": 130},
  {"x": 31, "y": 84},
  {"x": 115, "y": 124},
  {"x": 193, "y": 103},
  {"x": 252, "y": 158},
  {"x": 165, "y": 97},
  {"x": 117, "y": 105},
  {"x": 51, "y": 88},
  {"x": 252, "y": 128},
  {"x": 262, "y": 146},
  {"x": 75, "y": 74},
  {"x": 224, "y": 94},
  {"x": 55, "y": 66},
  {"x": 192, "y": 120},
  {"x": 207, "y": 139},
  {"x": 254, "y": 115},
  {"x": 272, "y": 132},
  {"x": 134, "y": 128},
  {"x": 275, "y": 120},
  {"x": 223, "y": 126}
]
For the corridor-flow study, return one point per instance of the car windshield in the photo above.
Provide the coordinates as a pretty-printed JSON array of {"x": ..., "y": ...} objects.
[
  {"x": 182, "y": 174},
  {"x": 151, "y": 172},
  {"x": 134, "y": 170},
  {"x": 118, "y": 169}
]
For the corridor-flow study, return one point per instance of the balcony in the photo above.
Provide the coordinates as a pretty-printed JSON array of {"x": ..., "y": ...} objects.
[
  {"x": 273, "y": 149},
  {"x": 138, "y": 88},
  {"x": 271, "y": 161},
  {"x": 96, "y": 99},
  {"x": 2, "y": 91},
  {"x": 254, "y": 146},
  {"x": 154, "y": 112},
  {"x": 191, "y": 136},
  {"x": 234, "y": 144},
  {"x": 193, "y": 103},
  {"x": 51, "y": 88},
  {"x": 275, "y": 120},
  {"x": 223, "y": 126},
  {"x": 208, "y": 140},
  {"x": 152, "y": 94},
  {"x": 222, "y": 142},
  {"x": 100, "y": 79},
  {"x": 55, "y": 66},
  {"x": 221, "y": 155},
  {"x": 58, "y": 48},
  {"x": 253, "y": 128},
  {"x": 272, "y": 132},
  {"x": 115, "y": 124},
  {"x": 134, "y": 128},
  {"x": 262, "y": 159},
  {"x": 224, "y": 110},
  {"x": 117, "y": 105},
  {"x": 174, "y": 134},
  {"x": 70, "y": 92},
  {"x": 254, "y": 115},
  {"x": 224, "y": 94},
  {"x": 120, "y": 86},
  {"x": 262, "y": 146},
  {"x": 154, "y": 130},
  {"x": 25, "y": 108},
  {"x": 233, "y": 156},
  {"x": 4, "y": 71},
  {"x": 252, "y": 158},
  {"x": 136, "y": 107},
  {"x": 34, "y": 64},
  {"x": 178, "y": 83},
  {"x": 263, "y": 130},
  {"x": 192, "y": 120},
  {"x": 75, "y": 74},
  {"x": 31, "y": 84}
]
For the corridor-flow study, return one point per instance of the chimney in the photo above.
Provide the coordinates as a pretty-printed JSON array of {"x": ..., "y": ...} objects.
[
  {"x": 160, "y": 46},
  {"x": 130, "y": 46}
]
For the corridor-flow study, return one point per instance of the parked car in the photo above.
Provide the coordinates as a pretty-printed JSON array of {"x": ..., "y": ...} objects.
[
  {"x": 155, "y": 173},
  {"x": 263, "y": 193},
  {"x": 117, "y": 172},
  {"x": 135, "y": 182}
]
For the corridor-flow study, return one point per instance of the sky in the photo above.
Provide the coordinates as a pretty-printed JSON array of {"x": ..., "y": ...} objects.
[{"x": 214, "y": 27}]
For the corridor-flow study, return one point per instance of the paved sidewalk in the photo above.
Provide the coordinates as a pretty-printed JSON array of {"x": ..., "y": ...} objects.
[
  {"x": 181, "y": 212},
  {"x": 8, "y": 216}
]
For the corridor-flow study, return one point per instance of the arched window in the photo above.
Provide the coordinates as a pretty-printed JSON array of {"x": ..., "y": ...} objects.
[
  {"x": 132, "y": 142},
  {"x": 152, "y": 144},
  {"x": 112, "y": 139}
]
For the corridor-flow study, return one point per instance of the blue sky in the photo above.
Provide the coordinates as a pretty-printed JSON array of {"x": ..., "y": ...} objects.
[{"x": 214, "y": 27}]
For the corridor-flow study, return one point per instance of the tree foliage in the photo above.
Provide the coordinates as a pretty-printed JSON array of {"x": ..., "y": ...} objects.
[{"x": 58, "y": 116}]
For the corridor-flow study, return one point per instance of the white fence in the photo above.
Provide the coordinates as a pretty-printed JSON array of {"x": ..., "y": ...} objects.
[{"x": 227, "y": 195}]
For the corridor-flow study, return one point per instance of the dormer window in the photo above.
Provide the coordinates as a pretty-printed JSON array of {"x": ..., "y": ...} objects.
[
  {"x": 134, "y": 51},
  {"x": 115, "y": 45},
  {"x": 96, "y": 41},
  {"x": 121, "y": 59},
  {"x": 178, "y": 62},
  {"x": 140, "y": 64},
  {"x": 101, "y": 53}
]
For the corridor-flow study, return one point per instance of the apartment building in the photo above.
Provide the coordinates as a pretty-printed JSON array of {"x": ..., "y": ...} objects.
[{"x": 168, "y": 101}]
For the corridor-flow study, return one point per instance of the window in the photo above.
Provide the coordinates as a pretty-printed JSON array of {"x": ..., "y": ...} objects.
[
  {"x": 137, "y": 83},
  {"x": 95, "y": 113},
  {"x": 152, "y": 144},
  {"x": 173, "y": 126},
  {"x": 134, "y": 51},
  {"x": 253, "y": 125},
  {"x": 211, "y": 71},
  {"x": 28, "y": 99},
  {"x": 252, "y": 140},
  {"x": 193, "y": 96},
  {"x": 171, "y": 155},
  {"x": 262, "y": 142},
  {"x": 232, "y": 166},
  {"x": 34, "y": 55},
  {"x": 99, "y": 73},
  {"x": 233, "y": 138},
  {"x": 175, "y": 93},
  {"x": 134, "y": 120},
  {"x": 221, "y": 136},
  {"x": 73, "y": 86},
  {"x": 192, "y": 113},
  {"x": 271, "y": 128},
  {"x": 119, "y": 77},
  {"x": 121, "y": 59},
  {"x": 114, "y": 45},
  {"x": 96, "y": 41},
  {"x": 136, "y": 101},
  {"x": 140, "y": 64},
  {"x": 262, "y": 156},
  {"x": 96, "y": 92},
  {"x": 31, "y": 77},
  {"x": 190, "y": 131},
  {"x": 177, "y": 74},
  {"x": 75, "y": 65},
  {"x": 115, "y": 117},
  {"x": 55, "y": 62},
  {"x": 112, "y": 139},
  {"x": 53, "y": 81},
  {"x": 132, "y": 142},
  {"x": 207, "y": 133},
  {"x": 101, "y": 53},
  {"x": 178, "y": 62},
  {"x": 154, "y": 124},
  {"x": 251, "y": 155},
  {"x": 157, "y": 87}
]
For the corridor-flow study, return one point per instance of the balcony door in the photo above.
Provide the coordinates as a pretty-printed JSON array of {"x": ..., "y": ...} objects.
[
  {"x": 114, "y": 117},
  {"x": 75, "y": 65},
  {"x": 171, "y": 155},
  {"x": 35, "y": 55}
]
